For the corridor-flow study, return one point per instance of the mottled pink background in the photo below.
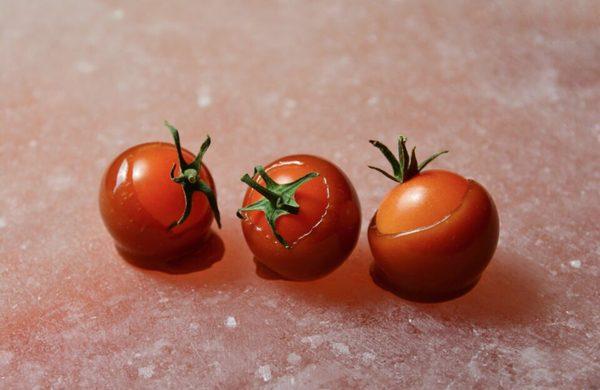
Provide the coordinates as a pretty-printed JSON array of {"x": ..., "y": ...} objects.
[{"x": 511, "y": 88}]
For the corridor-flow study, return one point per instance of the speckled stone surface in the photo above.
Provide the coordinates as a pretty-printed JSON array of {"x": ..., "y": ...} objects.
[{"x": 511, "y": 88}]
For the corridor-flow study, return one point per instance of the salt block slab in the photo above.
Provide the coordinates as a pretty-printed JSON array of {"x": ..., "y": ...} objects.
[{"x": 511, "y": 89}]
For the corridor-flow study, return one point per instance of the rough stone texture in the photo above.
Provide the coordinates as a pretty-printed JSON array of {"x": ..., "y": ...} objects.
[{"x": 511, "y": 88}]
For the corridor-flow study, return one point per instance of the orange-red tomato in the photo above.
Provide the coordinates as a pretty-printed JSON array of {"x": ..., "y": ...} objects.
[
  {"x": 139, "y": 203},
  {"x": 433, "y": 235},
  {"x": 323, "y": 232}
]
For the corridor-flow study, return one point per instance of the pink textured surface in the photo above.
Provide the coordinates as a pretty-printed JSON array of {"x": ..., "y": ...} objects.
[{"x": 511, "y": 88}]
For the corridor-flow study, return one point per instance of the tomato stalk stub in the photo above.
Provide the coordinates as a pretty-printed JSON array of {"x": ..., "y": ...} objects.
[
  {"x": 319, "y": 224},
  {"x": 433, "y": 235},
  {"x": 140, "y": 202},
  {"x": 190, "y": 180}
]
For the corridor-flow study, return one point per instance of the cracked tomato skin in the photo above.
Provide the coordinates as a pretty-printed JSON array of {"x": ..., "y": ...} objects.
[
  {"x": 138, "y": 202},
  {"x": 433, "y": 236},
  {"x": 324, "y": 232}
]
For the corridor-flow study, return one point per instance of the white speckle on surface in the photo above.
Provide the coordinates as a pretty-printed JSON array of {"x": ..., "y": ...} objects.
[
  {"x": 538, "y": 38},
  {"x": 294, "y": 358},
  {"x": 3, "y": 223},
  {"x": 5, "y": 358},
  {"x": 473, "y": 367},
  {"x": 85, "y": 67},
  {"x": 146, "y": 372},
  {"x": 531, "y": 356},
  {"x": 340, "y": 348},
  {"x": 288, "y": 107},
  {"x": 194, "y": 326},
  {"x": 373, "y": 100},
  {"x": 216, "y": 367},
  {"x": 272, "y": 303},
  {"x": 33, "y": 374},
  {"x": 59, "y": 182},
  {"x": 212, "y": 346},
  {"x": 270, "y": 98},
  {"x": 264, "y": 372},
  {"x": 367, "y": 357},
  {"x": 536, "y": 360},
  {"x": 32, "y": 143},
  {"x": 163, "y": 300},
  {"x": 204, "y": 98},
  {"x": 118, "y": 14},
  {"x": 574, "y": 324},
  {"x": 230, "y": 322},
  {"x": 575, "y": 263},
  {"x": 313, "y": 341},
  {"x": 290, "y": 104},
  {"x": 570, "y": 294}
]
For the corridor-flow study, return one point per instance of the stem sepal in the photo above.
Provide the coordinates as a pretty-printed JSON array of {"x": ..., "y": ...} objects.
[
  {"x": 404, "y": 167},
  {"x": 190, "y": 180},
  {"x": 278, "y": 199}
]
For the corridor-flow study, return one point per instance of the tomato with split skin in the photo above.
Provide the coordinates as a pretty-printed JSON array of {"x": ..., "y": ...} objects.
[
  {"x": 313, "y": 240},
  {"x": 141, "y": 205},
  {"x": 434, "y": 234}
]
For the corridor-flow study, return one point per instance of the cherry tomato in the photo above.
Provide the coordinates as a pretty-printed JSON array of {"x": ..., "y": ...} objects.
[
  {"x": 144, "y": 207},
  {"x": 434, "y": 233},
  {"x": 300, "y": 217}
]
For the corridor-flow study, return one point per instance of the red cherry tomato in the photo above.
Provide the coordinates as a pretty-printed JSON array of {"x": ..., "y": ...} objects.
[
  {"x": 433, "y": 234},
  {"x": 316, "y": 233},
  {"x": 143, "y": 207}
]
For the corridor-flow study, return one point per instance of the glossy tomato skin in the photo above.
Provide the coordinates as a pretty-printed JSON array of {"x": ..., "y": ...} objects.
[
  {"x": 442, "y": 260},
  {"x": 138, "y": 202},
  {"x": 421, "y": 201},
  {"x": 321, "y": 236}
]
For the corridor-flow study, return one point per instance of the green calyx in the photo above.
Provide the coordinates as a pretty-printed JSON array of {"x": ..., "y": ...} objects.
[
  {"x": 278, "y": 198},
  {"x": 404, "y": 167},
  {"x": 190, "y": 181}
]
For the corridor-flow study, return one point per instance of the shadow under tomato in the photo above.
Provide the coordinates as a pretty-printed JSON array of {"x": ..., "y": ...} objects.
[
  {"x": 211, "y": 251},
  {"x": 348, "y": 285},
  {"x": 266, "y": 273},
  {"x": 508, "y": 293},
  {"x": 380, "y": 279}
]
